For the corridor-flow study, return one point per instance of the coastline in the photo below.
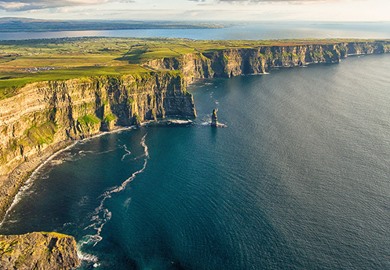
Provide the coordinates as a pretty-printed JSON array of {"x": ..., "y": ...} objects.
[
  {"x": 15, "y": 180},
  {"x": 49, "y": 154},
  {"x": 21, "y": 176}
]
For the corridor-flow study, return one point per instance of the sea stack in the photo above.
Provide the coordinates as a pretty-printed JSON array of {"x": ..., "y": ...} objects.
[{"x": 214, "y": 118}]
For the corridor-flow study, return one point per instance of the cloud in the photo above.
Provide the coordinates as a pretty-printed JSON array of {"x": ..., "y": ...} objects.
[{"x": 11, "y": 5}]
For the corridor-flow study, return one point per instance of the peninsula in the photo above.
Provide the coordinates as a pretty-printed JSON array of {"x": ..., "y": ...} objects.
[{"x": 53, "y": 92}]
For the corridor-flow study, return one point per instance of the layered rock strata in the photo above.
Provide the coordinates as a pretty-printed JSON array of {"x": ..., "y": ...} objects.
[
  {"x": 260, "y": 60},
  {"x": 45, "y": 116}
]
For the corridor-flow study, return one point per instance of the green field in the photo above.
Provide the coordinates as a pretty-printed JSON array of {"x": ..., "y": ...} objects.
[{"x": 23, "y": 62}]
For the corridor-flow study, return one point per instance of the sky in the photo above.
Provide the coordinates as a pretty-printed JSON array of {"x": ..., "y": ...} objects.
[{"x": 203, "y": 10}]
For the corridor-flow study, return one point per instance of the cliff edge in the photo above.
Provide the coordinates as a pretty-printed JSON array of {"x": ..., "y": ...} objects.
[
  {"x": 45, "y": 116},
  {"x": 227, "y": 63}
]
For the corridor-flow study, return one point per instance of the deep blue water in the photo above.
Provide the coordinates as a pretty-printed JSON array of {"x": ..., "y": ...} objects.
[
  {"x": 247, "y": 31},
  {"x": 298, "y": 180}
]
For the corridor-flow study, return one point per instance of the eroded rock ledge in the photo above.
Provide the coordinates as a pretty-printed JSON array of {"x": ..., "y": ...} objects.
[{"x": 38, "y": 250}]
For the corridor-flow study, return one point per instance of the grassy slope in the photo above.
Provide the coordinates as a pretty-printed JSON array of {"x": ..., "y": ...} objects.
[{"x": 23, "y": 62}]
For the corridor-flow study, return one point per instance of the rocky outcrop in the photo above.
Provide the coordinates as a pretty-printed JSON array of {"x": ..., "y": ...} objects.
[
  {"x": 38, "y": 251},
  {"x": 214, "y": 118},
  {"x": 238, "y": 61}
]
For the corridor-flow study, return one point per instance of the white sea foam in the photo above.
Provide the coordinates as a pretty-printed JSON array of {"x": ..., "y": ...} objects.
[
  {"x": 51, "y": 160},
  {"x": 128, "y": 152},
  {"x": 87, "y": 257},
  {"x": 57, "y": 162},
  {"x": 101, "y": 214},
  {"x": 23, "y": 190},
  {"x": 179, "y": 122},
  {"x": 118, "y": 130},
  {"x": 105, "y": 152},
  {"x": 83, "y": 153}
]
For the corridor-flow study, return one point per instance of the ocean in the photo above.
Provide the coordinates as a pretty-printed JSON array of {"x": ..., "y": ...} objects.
[
  {"x": 245, "y": 31},
  {"x": 298, "y": 179}
]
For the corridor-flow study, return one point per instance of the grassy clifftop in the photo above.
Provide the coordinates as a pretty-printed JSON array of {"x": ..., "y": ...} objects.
[{"x": 23, "y": 62}]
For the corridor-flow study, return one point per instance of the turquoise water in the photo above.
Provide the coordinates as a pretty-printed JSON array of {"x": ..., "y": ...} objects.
[
  {"x": 299, "y": 179},
  {"x": 247, "y": 31}
]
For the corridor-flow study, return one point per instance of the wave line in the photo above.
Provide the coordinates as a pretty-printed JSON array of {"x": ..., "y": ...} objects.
[
  {"x": 128, "y": 152},
  {"x": 102, "y": 215}
]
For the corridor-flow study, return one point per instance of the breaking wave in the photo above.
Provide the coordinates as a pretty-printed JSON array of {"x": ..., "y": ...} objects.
[
  {"x": 25, "y": 188},
  {"x": 128, "y": 152},
  {"x": 101, "y": 214}
]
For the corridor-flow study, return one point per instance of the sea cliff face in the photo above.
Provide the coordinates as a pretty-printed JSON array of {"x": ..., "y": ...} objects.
[
  {"x": 38, "y": 251},
  {"x": 49, "y": 112},
  {"x": 46, "y": 114},
  {"x": 234, "y": 62}
]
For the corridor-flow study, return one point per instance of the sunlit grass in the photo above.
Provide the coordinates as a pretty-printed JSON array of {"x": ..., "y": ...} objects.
[{"x": 23, "y": 62}]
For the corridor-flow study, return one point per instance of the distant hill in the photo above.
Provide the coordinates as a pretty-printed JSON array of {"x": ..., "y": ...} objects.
[{"x": 14, "y": 24}]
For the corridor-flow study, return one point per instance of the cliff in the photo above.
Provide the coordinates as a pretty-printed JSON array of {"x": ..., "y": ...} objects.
[
  {"x": 45, "y": 116},
  {"x": 38, "y": 251},
  {"x": 262, "y": 59}
]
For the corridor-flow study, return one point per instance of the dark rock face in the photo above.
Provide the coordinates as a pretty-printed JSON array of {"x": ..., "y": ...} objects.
[
  {"x": 214, "y": 118},
  {"x": 38, "y": 251}
]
